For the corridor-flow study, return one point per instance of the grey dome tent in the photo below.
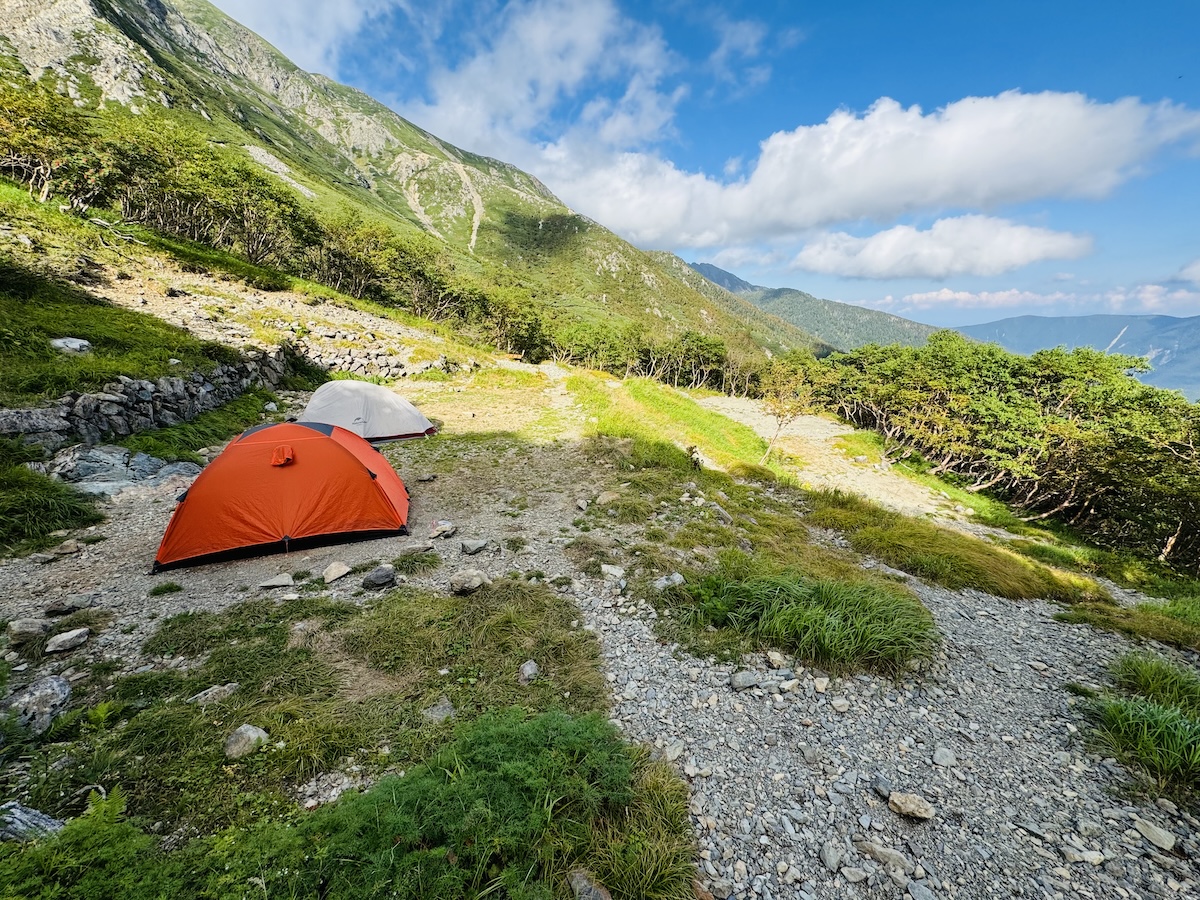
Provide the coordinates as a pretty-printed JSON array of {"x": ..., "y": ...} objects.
[{"x": 369, "y": 410}]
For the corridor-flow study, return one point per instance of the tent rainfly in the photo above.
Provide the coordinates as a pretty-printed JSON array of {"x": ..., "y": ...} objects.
[
  {"x": 283, "y": 487},
  {"x": 369, "y": 410}
]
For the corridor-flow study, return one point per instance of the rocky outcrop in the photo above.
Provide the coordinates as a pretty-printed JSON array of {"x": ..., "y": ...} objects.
[{"x": 131, "y": 405}]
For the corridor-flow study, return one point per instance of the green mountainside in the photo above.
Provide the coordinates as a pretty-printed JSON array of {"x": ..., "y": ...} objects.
[
  {"x": 841, "y": 325},
  {"x": 344, "y": 153}
]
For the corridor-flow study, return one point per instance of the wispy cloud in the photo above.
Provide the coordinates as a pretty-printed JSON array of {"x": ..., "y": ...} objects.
[
  {"x": 966, "y": 245},
  {"x": 309, "y": 32},
  {"x": 1140, "y": 299},
  {"x": 1191, "y": 272}
]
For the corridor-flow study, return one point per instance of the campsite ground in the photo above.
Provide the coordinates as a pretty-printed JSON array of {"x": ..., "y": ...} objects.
[{"x": 788, "y": 767}]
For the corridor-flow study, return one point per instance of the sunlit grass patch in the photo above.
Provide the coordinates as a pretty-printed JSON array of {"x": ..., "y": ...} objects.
[
  {"x": 948, "y": 558},
  {"x": 1160, "y": 739},
  {"x": 839, "y": 625},
  {"x": 1159, "y": 679}
]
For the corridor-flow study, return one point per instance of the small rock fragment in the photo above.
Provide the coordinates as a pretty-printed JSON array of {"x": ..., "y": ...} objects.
[
  {"x": 468, "y": 581},
  {"x": 442, "y": 529},
  {"x": 68, "y": 640},
  {"x": 612, "y": 571},
  {"x": 607, "y": 498},
  {"x": 881, "y": 786},
  {"x": 661, "y": 584},
  {"x": 334, "y": 571},
  {"x": 67, "y": 605},
  {"x": 1159, "y": 837},
  {"x": 244, "y": 741},
  {"x": 831, "y": 856},
  {"x": 528, "y": 672},
  {"x": 283, "y": 579},
  {"x": 943, "y": 756},
  {"x": 38, "y": 704},
  {"x": 821, "y": 685},
  {"x": 743, "y": 680},
  {"x": 912, "y": 805},
  {"x": 585, "y": 887},
  {"x": 380, "y": 577},
  {"x": 214, "y": 694},
  {"x": 440, "y": 711},
  {"x": 470, "y": 548},
  {"x": 841, "y": 704}
]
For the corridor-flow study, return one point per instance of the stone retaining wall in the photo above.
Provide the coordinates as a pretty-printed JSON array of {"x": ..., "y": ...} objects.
[{"x": 129, "y": 405}]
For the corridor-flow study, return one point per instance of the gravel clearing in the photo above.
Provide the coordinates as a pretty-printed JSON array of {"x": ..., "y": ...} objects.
[{"x": 790, "y": 770}]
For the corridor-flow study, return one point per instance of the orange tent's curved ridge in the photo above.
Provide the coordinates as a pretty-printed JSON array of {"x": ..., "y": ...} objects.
[{"x": 280, "y": 487}]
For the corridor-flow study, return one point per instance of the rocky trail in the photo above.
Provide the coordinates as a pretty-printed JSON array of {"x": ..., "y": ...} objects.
[{"x": 969, "y": 780}]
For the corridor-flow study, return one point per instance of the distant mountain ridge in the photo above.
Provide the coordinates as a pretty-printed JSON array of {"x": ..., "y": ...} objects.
[
  {"x": 345, "y": 152},
  {"x": 840, "y": 325},
  {"x": 1170, "y": 343}
]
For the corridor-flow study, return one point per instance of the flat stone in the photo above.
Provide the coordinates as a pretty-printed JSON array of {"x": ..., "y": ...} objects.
[
  {"x": 380, "y": 577},
  {"x": 841, "y": 704},
  {"x": 913, "y": 805},
  {"x": 22, "y": 631},
  {"x": 283, "y": 579},
  {"x": 67, "y": 605},
  {"x": 607, "y": 498},
  {"x": 67, "y": 548},
  {"x": 470, "y": 548},
  {"x": 244, "y": 741},
  {"x": 214, "y": 694},
  {"x": 334, "y": 571},
  {"x": 945, "y": 757},
  {"x": 743, "y": 680},
  {"x": 1159, "y": 837},
  {"x": 71, "y": 345},
  {"x": 821, "y": 685},
  {"x": 468, "y": 581},
  {"x": 612, "y": 571},
  {"x": 440, "y": 711},
  {"x": 38, "y": 704},
  {"x": 918, "y": 891},
  {"x": 853, "y": 875},
  {"x": 881, "y": 786},
  {"x": 831, "y": 856},
  {"x": 68, "y": 640},
  {"x": 893, "y": 859},
  {"x": 667, "y": 581}
]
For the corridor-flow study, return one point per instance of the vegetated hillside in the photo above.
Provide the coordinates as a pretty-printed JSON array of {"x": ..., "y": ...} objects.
[
  {"x": 841, "y": 325},
  {"x": 764, "y": 328},
  {"x": 1171, "y": 344},
  {"x": 504, "y": 237}
]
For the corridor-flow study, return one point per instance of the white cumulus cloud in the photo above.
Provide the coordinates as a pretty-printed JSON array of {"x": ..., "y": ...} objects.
[
  {"x": 965, "y": 245},
  {"x": 976, "y": 153}
]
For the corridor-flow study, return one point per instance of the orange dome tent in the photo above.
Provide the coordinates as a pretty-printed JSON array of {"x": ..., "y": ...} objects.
[{"x": 280, "y": 487}]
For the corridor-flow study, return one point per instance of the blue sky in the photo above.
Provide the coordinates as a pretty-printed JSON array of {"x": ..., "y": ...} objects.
[{"x": 950, "y": 162}]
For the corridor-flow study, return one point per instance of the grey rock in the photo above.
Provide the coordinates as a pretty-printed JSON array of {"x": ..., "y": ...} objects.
[
  {"x": 831, "y": 856},
  {"x": 67, "y": 605},
  {"x": 38, "y": 704},
  {"x": 612, "y": 571},
  {"x": 440, "y": 711},
  {"x": 22, "y": 631},
  {"x": 672, "y": 580},
  {"x": 853, "y": 875},
  {"x": 881, "y": 786},
  {"x": 442, "y": 529},
  {"x": 468, "y": 581},
  {"x": 380, "y": 577},
  {"x": 913, "y": 805},
  {"x": 334, "y": 571},
  {"x": 721, "y": 512},
  {"x": 892, "y": 859},
  {"x": 470, "y": 548},
  {"x": 529, "y": 671},
  {"x": 944, "y": 756},
  {"x": 584, "y": 887},
  {"x": 1159, "y": 837},
  {"x": 68, "y": 640},
  {"x": 71, "y": 346},
  {"x": 743, "y": 680},
  {"x": 214, "y": 694},
  {"x": 918, "y": 891},
  {"x": 20, "y": 823},
  {"x": 281, "y": 580},
  {"x": 244, "y": 741}
]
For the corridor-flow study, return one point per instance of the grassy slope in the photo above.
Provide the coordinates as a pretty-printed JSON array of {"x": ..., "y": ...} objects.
[{"x": 841, "y": 324}]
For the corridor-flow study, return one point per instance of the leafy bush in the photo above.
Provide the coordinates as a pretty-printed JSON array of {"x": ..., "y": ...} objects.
[{"x": 506, "y": 810}]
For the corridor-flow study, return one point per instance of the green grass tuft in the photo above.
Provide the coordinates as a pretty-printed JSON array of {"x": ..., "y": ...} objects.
[
  {"x": 1160, "y": 680},
  {"x": 1160, "y": 739},
  {"x": 180, "y": 442},
  {"x": 417, "y": 563},
  {"x": 168, "y": 587}
]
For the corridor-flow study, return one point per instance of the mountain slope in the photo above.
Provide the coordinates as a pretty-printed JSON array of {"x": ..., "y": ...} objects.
[
  {"x": 342, "y": 150},
  {"x": 840, "y": 325},
  {"x": 1171, "y": 344}
]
